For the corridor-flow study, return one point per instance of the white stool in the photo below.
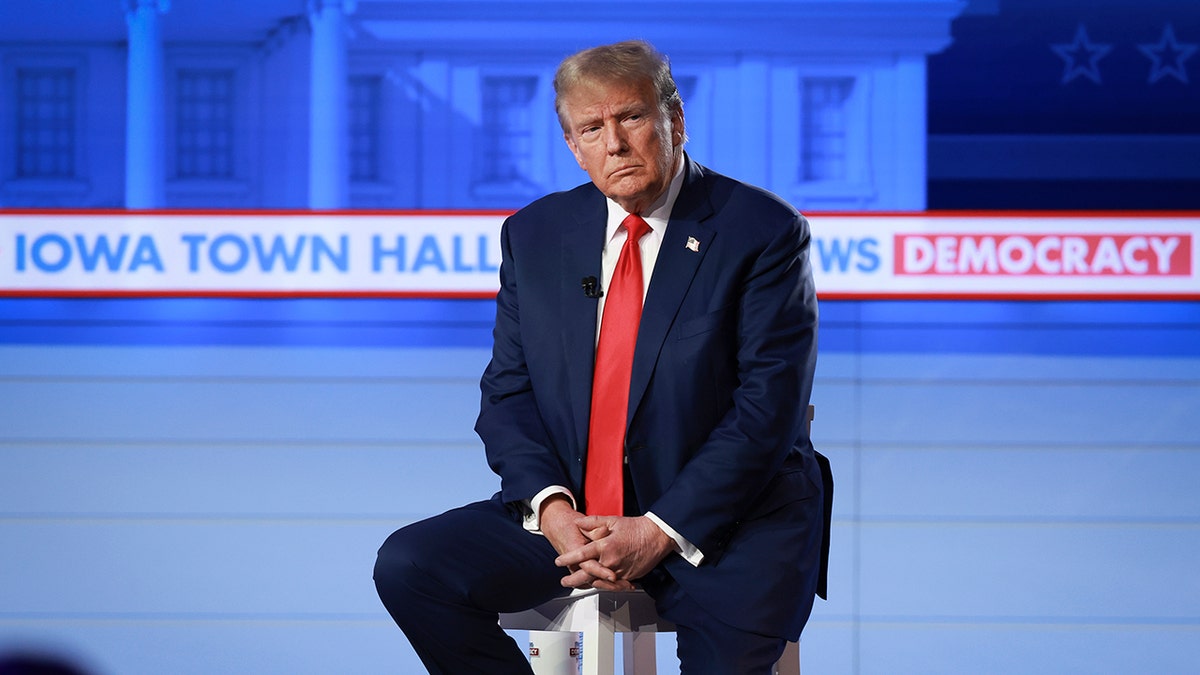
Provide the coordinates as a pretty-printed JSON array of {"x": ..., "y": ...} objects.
[{"x": 599, "y": 615}]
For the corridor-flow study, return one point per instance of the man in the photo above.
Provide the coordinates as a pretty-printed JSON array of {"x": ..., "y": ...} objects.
[{"x": 669, "y": 448}]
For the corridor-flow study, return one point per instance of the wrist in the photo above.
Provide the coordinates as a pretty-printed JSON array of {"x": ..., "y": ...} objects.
[
  {"x": 666, "y": 545},
  {"x": 555, "y": 503}
]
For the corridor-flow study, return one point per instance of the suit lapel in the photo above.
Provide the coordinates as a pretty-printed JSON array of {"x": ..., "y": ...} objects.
[
  {"x": 580, "y": 246},
  {"x": 686, "y": 242}
]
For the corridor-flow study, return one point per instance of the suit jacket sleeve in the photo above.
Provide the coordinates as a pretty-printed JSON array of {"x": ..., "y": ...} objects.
[
  {"x": 754, "y": 372},
  {"x": 519, "y": 448}
]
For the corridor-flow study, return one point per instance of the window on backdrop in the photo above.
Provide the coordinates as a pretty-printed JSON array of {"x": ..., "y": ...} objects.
[
  {"x": 507, "y": 141},
  {"x": 825, "y": 128},
  {"x": 366, "y": 103},
  {"x": 204, "y": 128},
  {"x": 46, "y": 112}
]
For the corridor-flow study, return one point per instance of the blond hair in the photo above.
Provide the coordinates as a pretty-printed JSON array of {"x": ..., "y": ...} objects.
[{"x": 629, "y": 61}]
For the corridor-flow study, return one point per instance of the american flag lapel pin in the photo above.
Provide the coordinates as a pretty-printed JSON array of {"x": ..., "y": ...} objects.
[{"x": 693, "y": 244}]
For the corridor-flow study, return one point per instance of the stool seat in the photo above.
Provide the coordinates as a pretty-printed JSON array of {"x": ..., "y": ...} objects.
[
  {"x": 599, "y": 615},
  {"x": 584, "y": 608}
]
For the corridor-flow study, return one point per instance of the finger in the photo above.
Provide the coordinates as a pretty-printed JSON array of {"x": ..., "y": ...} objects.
[
  {"x": 597, "y": 570},
  {"x": 576, "y": 556},
  {"x": 579, "y": 579},
  {"x": 597, "y": 533},
  {"x": 592, "y": 522},
  {"x": 621, "y": 585}
]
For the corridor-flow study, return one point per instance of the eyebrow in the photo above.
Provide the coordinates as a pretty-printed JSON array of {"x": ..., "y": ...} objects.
[{"x": 632, "y": 108}]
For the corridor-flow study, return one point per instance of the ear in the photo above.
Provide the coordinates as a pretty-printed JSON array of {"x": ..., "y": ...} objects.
[
  {"x": 574, "y": 150},
  {"x": 677, "y": 127}
]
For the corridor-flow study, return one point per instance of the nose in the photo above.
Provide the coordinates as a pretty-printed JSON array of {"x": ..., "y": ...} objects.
[{"x": 614, "y": 138}]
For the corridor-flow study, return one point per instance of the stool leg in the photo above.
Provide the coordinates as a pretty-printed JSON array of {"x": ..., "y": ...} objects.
[
  {"x": 639, "y": 653},
  {"x": 598, "y": 647}
]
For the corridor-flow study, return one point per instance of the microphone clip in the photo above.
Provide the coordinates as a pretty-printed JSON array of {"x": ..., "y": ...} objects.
[{"x": 591, "y": 288}]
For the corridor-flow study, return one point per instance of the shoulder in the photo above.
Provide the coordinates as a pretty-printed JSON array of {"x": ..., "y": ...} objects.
[
  {"x": 549, "y": 218},
  {"x": 556, "y": 207},
  {"x": 749, "y": 209}
]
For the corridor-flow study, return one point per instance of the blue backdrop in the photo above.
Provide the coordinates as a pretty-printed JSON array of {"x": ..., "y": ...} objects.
[{"x": 199, "y": 485}]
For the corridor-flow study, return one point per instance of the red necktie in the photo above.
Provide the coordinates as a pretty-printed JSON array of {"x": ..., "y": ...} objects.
[{"x": 604, "y": 478}]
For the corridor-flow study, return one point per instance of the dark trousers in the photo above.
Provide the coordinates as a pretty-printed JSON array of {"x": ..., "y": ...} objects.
[{"x": 445, "y": 579}]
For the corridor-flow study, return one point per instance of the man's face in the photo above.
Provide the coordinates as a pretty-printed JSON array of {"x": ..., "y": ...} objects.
[{"x": 624, "y": 142}]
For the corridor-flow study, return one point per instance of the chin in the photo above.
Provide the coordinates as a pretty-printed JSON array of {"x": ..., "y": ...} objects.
[{"x": 627, "y": 189}]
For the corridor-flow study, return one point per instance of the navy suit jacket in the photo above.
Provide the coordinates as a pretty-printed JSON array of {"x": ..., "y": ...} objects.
[{"x": 717, "y": 440}]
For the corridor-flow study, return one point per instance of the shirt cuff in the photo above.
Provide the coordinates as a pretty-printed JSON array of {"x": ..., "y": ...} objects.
[
  {"x": 533, "y": 521},
  {"x": 689, "y": 552}
]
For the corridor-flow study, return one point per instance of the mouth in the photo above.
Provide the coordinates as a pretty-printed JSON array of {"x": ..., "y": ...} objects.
[{"x": 624, "y": 171}]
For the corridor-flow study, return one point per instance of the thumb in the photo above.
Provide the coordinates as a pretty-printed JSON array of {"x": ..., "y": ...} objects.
[
  {"x": 593, "y": 522},
  {"x": 597, "y": 533}
]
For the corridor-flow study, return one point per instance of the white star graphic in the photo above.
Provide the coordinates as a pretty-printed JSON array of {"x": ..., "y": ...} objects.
[
  {"x": 1168, "y": 56},
  {"x": 1081, "y": 57}
]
